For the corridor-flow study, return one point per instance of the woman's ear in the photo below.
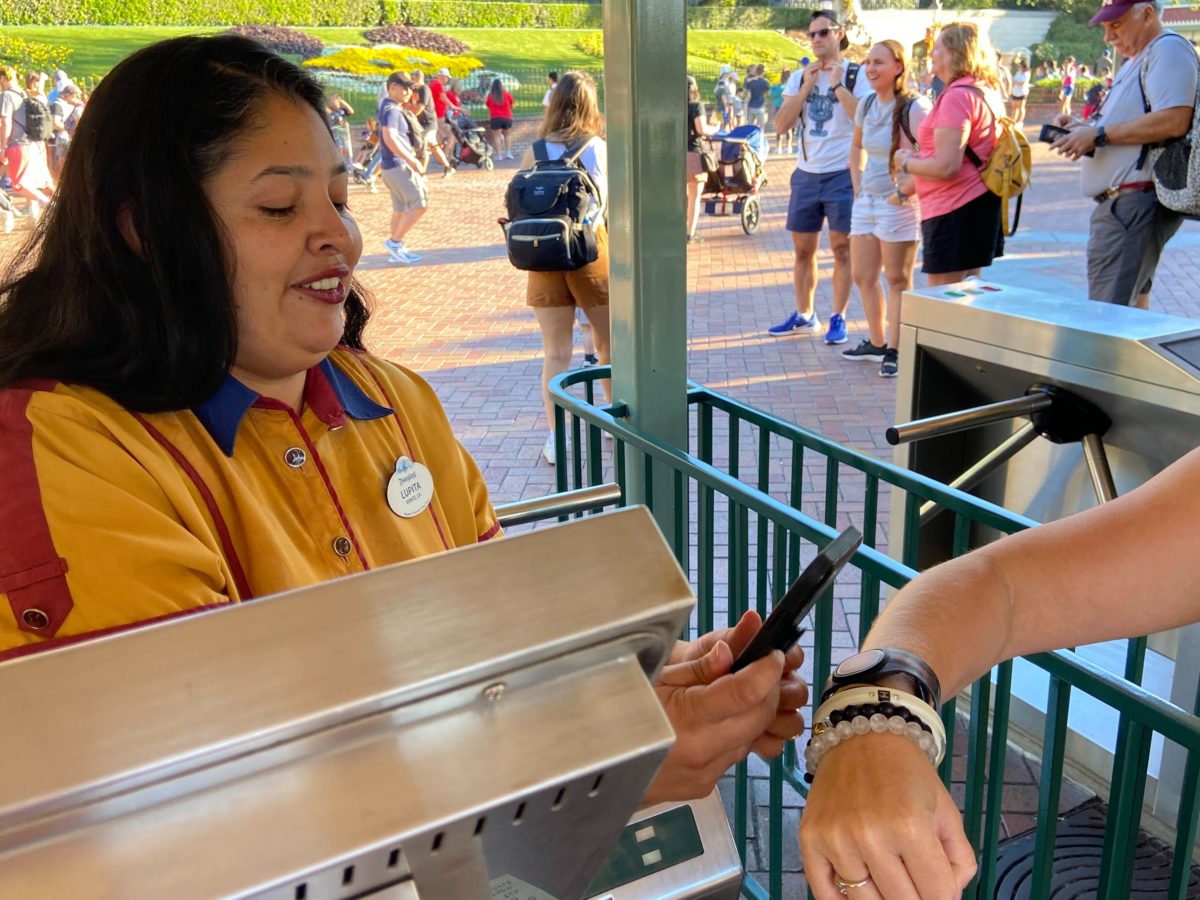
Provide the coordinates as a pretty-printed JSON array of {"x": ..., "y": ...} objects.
[{"x": 127, "y": 229}]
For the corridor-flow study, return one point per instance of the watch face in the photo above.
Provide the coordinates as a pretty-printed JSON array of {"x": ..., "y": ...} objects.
[{"x": 860, "y": 663}]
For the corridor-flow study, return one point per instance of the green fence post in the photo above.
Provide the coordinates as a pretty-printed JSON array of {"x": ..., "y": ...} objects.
[{"x": 644, "y": 65}]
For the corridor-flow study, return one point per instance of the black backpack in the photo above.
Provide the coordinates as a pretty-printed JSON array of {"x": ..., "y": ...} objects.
[
  {"x": 550, "y": 224},
  {"x": 38, "y": 123}
]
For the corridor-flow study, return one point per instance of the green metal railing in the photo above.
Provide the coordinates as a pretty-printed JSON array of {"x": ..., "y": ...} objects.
[{"x": 761, "y": 494}]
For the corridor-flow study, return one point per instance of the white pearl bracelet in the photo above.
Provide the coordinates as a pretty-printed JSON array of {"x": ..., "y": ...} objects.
[{"x": 923, "y": 726}]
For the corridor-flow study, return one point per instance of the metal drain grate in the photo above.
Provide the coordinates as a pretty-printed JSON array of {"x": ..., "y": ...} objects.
[{"x": 1077, "y": 860}]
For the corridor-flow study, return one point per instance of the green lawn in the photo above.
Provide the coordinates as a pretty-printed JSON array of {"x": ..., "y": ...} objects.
[{"x": 98, "y": 49}]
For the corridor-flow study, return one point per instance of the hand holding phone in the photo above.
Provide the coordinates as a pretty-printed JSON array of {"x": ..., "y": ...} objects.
[
  {"x": 782, "y": 628},
  {"x": 1051, "y": 133}
]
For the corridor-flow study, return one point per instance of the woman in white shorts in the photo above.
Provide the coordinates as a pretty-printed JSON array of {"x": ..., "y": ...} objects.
[{"x": 885, "y": 224}]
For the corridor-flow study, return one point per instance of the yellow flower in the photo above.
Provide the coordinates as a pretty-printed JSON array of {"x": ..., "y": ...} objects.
[{"x": 385, "y": 60}]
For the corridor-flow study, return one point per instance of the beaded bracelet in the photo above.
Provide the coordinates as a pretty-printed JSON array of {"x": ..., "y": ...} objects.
[{"x": 860, "y": 709}]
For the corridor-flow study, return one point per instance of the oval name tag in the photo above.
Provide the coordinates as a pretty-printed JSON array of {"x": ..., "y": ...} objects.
[{"x": 410, "y": 488}]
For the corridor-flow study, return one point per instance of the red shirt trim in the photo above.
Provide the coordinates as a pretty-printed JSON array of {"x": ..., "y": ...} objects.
[
  {"x": 32, "y": 573},
  {"x": 30, "y": 649},
  {"x": 235, "y": 565},
  {"x": 407, "y": 446}
]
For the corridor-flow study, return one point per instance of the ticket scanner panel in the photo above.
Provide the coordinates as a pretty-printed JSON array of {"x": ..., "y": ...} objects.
[{"x": 475, "y": 724}]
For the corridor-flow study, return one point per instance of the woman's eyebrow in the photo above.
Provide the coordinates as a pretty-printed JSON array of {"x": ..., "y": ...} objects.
[{"x": 299, "y": 171}]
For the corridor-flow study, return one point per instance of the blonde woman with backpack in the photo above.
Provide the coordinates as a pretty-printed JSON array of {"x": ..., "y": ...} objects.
[
  {"x": 573, "y": 121},
  {"x": 960, "y": 217},
  {"x": 885, "y": 222}
]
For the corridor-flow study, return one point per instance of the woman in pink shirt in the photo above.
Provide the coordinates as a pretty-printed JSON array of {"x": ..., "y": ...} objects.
[{"x": 960, "y": 217}]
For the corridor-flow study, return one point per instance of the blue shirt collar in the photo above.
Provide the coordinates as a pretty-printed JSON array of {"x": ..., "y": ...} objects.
[{"x": 328, "y": 392}]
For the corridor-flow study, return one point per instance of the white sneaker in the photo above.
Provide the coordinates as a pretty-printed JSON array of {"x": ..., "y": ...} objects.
[
  {"x": 548, "y": 452},
  {"x": 9, "y": 221},
  {"x": 403, "y": 256}
]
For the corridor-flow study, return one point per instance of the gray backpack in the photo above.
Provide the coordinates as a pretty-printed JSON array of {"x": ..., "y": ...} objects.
[{"x": 1175, "y": 164}]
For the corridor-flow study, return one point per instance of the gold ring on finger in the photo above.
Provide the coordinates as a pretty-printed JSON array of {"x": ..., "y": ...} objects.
[{"x": 845, "y": 887}]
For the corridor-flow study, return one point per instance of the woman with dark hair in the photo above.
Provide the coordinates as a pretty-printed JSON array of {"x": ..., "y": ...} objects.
[
  {"x": 960, "y": 217},
  {"x": 187, "y": 410},
  {"x": 500, "y": 108},
  {"x": 1020, "y": 92},
  {"x": 188, "y": 418},
  {"x": 698, "y": 129},
  {"x": 574, "y": 124},
  {"x": 885, "y": 223}
]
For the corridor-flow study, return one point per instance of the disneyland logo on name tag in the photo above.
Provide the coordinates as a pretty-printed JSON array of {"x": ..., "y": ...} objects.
[{"x": 410, "y": 488}]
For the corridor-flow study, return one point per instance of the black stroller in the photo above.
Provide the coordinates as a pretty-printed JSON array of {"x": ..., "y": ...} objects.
[
  {"x": 735, "y": 175},
  {"x": 470, "y": 146}
]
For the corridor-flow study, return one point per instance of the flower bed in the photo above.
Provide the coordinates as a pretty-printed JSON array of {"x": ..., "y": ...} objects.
[
  {"x": 281, "y": 39},
  {"x": 377, "y": 61},
  {"x": 417, "y": 38},
  {"x": 32, "y": 56}
]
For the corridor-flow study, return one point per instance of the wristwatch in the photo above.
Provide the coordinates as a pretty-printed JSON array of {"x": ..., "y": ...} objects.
[
  {"x": 871, "y": 665},
  {"x": 1101, "y": 137}
]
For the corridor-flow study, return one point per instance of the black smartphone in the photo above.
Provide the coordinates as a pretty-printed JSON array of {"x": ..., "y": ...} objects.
[
  {"x": 1051, "y": 133},
  {"x": 782, "y": 628}
]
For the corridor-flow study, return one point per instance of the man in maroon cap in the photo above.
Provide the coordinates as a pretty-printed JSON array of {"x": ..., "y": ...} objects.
[{"x": 1129, "y": 228}]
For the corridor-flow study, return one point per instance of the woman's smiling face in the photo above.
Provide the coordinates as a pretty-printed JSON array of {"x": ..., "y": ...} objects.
[
  {"x": 882, "y": 68},
  {"x": 281, "y": 201}
]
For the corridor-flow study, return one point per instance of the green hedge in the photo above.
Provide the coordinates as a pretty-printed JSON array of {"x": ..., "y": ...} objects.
[
  {"x": 741, "y": 18},
  {"x": 366, "y": 13},
  {"x": 449, "y": 14},
  {"x": 189, "y": 12}
]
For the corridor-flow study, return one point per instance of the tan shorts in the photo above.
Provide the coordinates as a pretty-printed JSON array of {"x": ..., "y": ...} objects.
[
  {"x": 583, "y": 287},
  {"x": 695, "y": 168}
]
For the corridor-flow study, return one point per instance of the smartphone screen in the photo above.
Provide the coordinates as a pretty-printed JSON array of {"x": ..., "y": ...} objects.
[
  {"x": 1051, "y": 133},
  {"x": 782, "y": 628}
]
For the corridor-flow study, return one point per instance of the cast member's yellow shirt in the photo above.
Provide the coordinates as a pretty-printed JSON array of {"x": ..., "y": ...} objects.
[{"x": 110, "y": 519}]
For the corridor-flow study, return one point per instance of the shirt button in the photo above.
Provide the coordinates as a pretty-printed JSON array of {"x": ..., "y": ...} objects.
[
  {"x": 342, "y": 546},
  {"x": 295, "y": 457},
  {"x": 35, "y": 618}
]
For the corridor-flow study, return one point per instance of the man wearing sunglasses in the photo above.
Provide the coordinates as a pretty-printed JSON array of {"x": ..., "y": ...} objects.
[
  {"x": 1150, "y": 102},
  {"x": 823, "y": 97}
]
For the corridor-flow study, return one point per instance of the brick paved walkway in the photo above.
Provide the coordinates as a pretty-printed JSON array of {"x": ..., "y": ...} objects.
[{"x": 459, "y": 318}]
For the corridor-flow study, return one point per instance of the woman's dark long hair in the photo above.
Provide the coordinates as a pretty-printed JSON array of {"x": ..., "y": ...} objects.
[
  {"x": 497, "y": 91},
  {"x": 154, "y": 327}
]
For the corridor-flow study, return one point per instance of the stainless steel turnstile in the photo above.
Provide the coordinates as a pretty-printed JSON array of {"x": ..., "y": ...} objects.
[
  {"x": 474, "y": 724},
  {"x": 1047, "y": 406}
]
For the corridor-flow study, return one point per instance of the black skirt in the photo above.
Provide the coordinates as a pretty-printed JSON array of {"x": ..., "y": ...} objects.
[{"x": 969, "y": 237}]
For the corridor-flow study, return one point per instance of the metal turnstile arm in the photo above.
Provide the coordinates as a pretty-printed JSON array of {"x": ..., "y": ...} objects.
[
  {"x": 1006, "y": 450},
  {"x": 1098, "y": 468},
  {"x": 965, "y": 419}
]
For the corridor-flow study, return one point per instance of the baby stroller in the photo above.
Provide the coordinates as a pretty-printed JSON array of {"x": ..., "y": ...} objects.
[
  {"x": 735, "y": 175},
  {"x": 470, "y": 146}
]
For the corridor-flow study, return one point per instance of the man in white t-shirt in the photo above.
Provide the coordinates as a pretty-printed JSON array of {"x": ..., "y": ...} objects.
[
  {"x": 552, "y": 83},
  {"x": 1129, "y": 228},
  {"x": 823, "y": 97}
]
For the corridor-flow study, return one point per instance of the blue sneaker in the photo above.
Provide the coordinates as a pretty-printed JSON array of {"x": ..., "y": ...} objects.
[
  {"x": 393, "y": 245},
  {"x": 836, "y": 333},
  {"x": 796, "y": 322}
]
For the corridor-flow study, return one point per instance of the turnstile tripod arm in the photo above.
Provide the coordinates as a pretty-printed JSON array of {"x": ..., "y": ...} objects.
[{"x": 965, "y": 419}]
